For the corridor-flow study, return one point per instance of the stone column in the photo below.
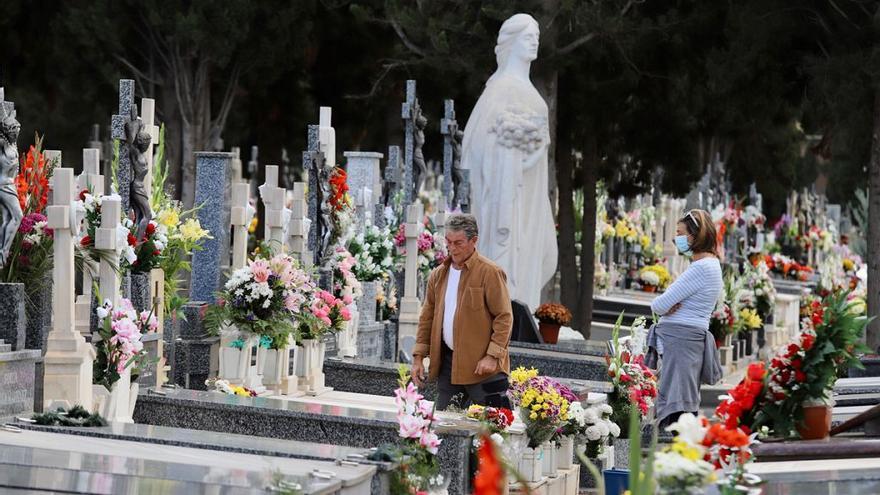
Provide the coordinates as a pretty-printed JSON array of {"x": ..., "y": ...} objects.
[
  {"x": 409, "y": 304},
  {"x": 68, "y": 360},
  {"x": 211, "y": 172}
]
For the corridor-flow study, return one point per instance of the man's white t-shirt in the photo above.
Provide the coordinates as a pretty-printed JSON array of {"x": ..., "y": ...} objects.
[{"x": 450, "y": 304}]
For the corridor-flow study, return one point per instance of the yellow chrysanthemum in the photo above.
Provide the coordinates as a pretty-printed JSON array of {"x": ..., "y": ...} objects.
[
  {"x": 253, "y": 225},
  {"x": 533, "y": 416},
  {"x": 521, "y": 375},
  {"x": 685, "y": 450}
]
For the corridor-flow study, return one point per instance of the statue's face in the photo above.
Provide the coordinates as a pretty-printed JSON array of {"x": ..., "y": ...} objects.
[{"x": 526, "y": 46}]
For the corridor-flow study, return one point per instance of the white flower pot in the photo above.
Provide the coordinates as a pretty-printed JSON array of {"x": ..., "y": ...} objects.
[
  {"x": 548, "y": 462},
  {"x": 565, "y": 453},
  {"x": 530, "y": 464},
  {"x": 310, "y": 365},
  {"x": 346, "y": 340},
  {"x": 276, "y": 372},
  {"x": 234, "y": 362},
  {"x": 116, "y": 404}
]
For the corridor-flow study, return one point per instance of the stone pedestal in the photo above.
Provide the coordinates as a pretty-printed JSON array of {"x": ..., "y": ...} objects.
[
  {"x": 39, "y": 316},
  {"x": 366, "y": 305},
  {"x": 17, "y": 380},
  {"x": 140, "y": 292},
  {"x": 12, "y": 315}
]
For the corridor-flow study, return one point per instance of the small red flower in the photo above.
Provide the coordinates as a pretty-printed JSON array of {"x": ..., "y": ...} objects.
[
  {"x": 86, "y": 241},
  {"x": 82, "y": 194},
  {"x": 151, "y": 228},
  {"x": 800, "y": 376},
  {"x": 132, "y": 240}
]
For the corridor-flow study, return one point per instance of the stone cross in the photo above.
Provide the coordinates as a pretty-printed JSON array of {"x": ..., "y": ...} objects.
[
  {"x": 273, "y": 200},
  {"x": 68, "y": 360},
  {"x": 236, "y": 165},
  {"x": 106, "y": 241},
  {"x": 239, "y": 219},
  {"x": 408, "y": 113},
  {"x": 90, "y": 179},
  {"x": 214, "y": 215},
  {"x": 313, "y": 160},
  {"x": 148, "y": 115},
  {"x": 117, "y": 131},
  {"x": 253, "y": 168},
  {"x": 409, "y": 305},
  {"x": 321, "y": 159},
  {"x": 299, "y": 224},
  {"x": 448, "y": 127},
  {"x": 392, "y": 175},
  {"x": 53, "y": 156}
]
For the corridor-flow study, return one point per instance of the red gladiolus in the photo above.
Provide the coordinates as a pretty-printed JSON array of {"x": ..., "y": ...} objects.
[{"x": 489, "y": 476}]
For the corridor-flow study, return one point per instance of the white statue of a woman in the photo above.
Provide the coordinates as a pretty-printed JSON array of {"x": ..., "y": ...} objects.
[{"x": 505, "y": 147}]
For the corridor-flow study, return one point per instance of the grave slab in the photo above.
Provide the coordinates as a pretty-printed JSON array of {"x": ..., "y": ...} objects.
[
  {"x": 303, "y": 421},
  {"x": 17, "y": 382}
]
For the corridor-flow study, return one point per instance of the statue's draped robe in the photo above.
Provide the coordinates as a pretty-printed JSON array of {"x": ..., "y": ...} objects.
[{"x": 505, "y": 147}]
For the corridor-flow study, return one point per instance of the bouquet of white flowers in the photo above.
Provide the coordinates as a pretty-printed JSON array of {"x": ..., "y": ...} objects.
[{"x": 374, "y": 253}]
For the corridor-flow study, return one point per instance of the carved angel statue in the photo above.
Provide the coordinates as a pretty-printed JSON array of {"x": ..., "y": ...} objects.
[{"x": 10, "y": 209}]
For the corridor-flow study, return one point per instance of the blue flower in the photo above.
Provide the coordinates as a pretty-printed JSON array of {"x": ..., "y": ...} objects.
[
  {"x": 238, "y": 344},
  {"x": 265, "y": 341}
]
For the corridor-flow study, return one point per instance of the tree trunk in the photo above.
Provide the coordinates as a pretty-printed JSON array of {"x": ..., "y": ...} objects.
[
  {"x": 567, "y": 250},
  {"x": 873, "y": 331},
  {"x": 588, "y": 234}
]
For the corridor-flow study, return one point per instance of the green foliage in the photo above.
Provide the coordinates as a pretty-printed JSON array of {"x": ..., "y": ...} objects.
[
  {"x": 76, "y": 416},
  {"x": 159, "y": 199}
]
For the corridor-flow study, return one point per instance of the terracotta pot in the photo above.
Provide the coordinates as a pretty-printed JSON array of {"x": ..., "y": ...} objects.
[
  {"x": 649, "y": 288},
  {"x": 817, "y": 421},
  {"x": 549, "y": 332}
]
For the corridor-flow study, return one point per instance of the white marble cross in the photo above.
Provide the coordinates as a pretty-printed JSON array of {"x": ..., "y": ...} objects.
[
  {"x": 327, "y": 137},
  {"x": 68, "y": 360},
  {"x": 240, "y": 220},
  {"x": 90, "y": 179},
  {"x": 409, "y": 304},
  {"x": 148, "y": 115},
  {"x": 299, "y": 224},
  {"x": 106, "y": 240},
  {"x": 273, "y": 200}
]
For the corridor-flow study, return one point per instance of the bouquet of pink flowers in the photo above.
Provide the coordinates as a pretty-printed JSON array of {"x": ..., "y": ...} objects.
[
  {"x": 120, "y": 347},
  {"x": 432, "y": 251},
  {"x": 262, "y": 299},
  {"x": 346, "y": 286},
  {"x": 324, "y": 313},
  {"x": 419, "y": 469}
]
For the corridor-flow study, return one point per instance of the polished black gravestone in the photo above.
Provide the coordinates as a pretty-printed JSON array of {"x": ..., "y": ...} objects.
[{"x": 524, "y": 328}]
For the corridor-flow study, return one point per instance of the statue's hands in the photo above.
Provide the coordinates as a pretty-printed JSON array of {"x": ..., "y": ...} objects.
[{"x": 503, "y": 236}]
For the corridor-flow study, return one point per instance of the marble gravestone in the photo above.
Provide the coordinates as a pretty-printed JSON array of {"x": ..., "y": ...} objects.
[{"x": 117, "y": 125}]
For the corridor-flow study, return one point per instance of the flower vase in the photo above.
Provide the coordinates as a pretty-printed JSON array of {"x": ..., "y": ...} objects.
[
  {"x": 117, "y": 404},
  {"x": 310, "y": 366},
  {"x": 276, "y": 374},
  {"x": 530, "y": 464},
  {"x": 234, "y": 360},
  {"x": 549, "y": 332},
  {"x": 253, "y": 378},
  {"x": 346, "y": 340},
  {"x": 817, "y": 419},
  {"x": 649, "y": 288},
  {"x": 548, "y": 461},
  {"x": 565, "y": 453}
]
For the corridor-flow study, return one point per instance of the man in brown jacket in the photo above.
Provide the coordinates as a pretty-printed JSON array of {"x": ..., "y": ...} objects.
[{"x": 465, "y": 324}]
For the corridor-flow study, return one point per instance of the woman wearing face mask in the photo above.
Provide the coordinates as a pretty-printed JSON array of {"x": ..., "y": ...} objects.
[{"x": 681, "y": 338}]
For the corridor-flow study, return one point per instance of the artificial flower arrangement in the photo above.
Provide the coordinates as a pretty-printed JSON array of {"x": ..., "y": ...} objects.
[
  {"x": 346, "y": 286},
  {"x": 322, "y": 314},
  {"x": 419, "y": 469},
  {"x": 386, "y": 300},
  {"x": 592, "y": 426},
  {"x": 121, "y": 329},
  {"x": 655, "y": 276},
  {"x": 373, "y": 249},
  {"x": 341, "y": 205},
  {"x": 183, "y": 235},
  {"x": 496, "y": 419},
  {"x": 229, "y": 389},
  {"x": 773, "y": 397},
  {"x": 263, "y": 299},
  {"x": 758, "y": 292},
  {"x": 721, "y": 322},
  {"x": 432, "y": 250},
  {"x": 635, "y": 385},
  {"x": 553, "y": 313},
  {"x": 787, "y": 267},
  {"x": 30, "y": 254},
  {"x": 543, "y": 407},
  {"x": 125, "y": 239}
]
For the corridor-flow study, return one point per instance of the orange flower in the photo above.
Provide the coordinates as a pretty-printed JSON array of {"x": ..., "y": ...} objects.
[
  {"x": 489, "y": 476},
  {"x": 32, "y": 181}
]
